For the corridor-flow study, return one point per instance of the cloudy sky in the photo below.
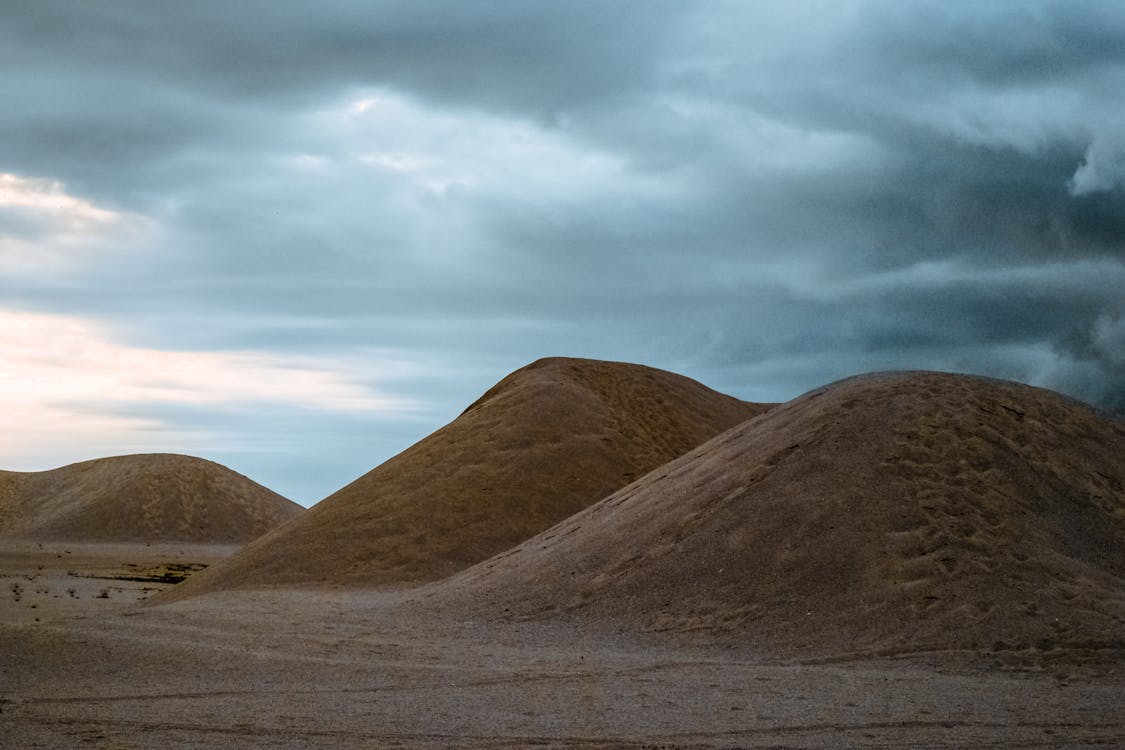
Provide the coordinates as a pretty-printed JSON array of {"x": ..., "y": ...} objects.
[{"x": 295, "y": 237}]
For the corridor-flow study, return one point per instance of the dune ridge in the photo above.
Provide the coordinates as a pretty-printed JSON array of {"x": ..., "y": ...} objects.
[
  {"x": 543, "y": 443},
  {"x": 891, "y": 513},
  {"x": 140, "y": 498}
]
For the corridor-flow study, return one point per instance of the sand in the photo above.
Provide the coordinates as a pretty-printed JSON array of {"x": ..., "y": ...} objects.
[
  {"x": 47, "y": 581},
  {"x": 145, "y": 498},
  {"x": 357, "y": 668},
  {"x": 547, "y": 441},
  {"x": 905, "y": 513},
  {"x": 897, "y": 560}
]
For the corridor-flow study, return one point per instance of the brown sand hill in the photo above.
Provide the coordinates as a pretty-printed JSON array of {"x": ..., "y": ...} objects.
[
  {"x": 894, "y": 513},
  {"x": 149, "y": 497},
  {"x": 544, "y": 443}
]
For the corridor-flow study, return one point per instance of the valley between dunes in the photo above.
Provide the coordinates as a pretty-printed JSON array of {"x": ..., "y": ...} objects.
[{"x": 595, "y": 554}]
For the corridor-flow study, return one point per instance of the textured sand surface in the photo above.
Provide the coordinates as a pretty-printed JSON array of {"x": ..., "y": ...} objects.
[
  {"x": 355, "y": 669},
  {"x": 904, "y": 513},
  {"x": 43, "y": 582},
  {"x": 897, "y": 560},
  {"x": 148, "y": 497},
  {"x": 544, "y": 443}
]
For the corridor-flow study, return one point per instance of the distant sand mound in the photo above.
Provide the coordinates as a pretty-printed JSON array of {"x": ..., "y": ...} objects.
[
  {"x": 544, "y": 443},
  {"x": 894, "y": 513},
  {"x": 149, "y": 497}
]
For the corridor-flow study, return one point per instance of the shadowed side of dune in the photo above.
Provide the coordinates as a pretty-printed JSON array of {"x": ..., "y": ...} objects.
[
  {"x": 894, "y": 513},
  {"x": 544, "y": 443},
  {"x": 142, "y": 498}
]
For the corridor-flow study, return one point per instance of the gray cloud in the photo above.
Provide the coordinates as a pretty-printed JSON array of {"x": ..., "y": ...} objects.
[{"x": 765, "y": 196}]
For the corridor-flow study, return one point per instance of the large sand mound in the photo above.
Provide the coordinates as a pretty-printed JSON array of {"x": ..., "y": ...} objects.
[
  {"x": 149, "y": 497},
  {"x": 547, "y": 441},
  {"x": 896, "y": 513}
]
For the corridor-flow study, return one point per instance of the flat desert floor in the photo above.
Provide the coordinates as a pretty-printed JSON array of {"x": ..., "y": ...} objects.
[{"x": 84, "y": 664}]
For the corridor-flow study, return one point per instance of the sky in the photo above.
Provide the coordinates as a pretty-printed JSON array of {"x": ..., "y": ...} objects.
[{"x": 297, "y": 237}]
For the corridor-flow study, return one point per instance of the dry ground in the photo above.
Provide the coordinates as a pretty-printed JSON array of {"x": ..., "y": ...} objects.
[
  {"x": 42, "y": 583},
  {"x": 147, "y": 497},
  {"x": 355, "y": 668},
  {"x": 897, "y": 560},
  {"x": 545, "y": 442},
  {"x": 894, "y": 513}
]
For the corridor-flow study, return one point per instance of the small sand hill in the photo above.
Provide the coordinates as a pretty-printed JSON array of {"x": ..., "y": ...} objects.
[
  {"x": 151, "y": 497},
  {"x": 897, "y": 512},
  {"x": 544, "y": 443}
]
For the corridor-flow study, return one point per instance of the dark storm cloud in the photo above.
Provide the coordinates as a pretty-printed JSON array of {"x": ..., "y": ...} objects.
[
  {"x": 132, "y": 81},
  {"x": 765, "y": 196}
]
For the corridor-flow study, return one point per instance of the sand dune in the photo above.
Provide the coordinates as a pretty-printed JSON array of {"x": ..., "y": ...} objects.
[
  {"x": 905, "y": 560},
  {"x": 544, "y": 443},
  {"x": 143, "y": 498},
  {"x": 894, "y": 513}
]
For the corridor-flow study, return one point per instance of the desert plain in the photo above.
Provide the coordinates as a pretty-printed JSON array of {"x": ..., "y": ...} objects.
[{"x": 595, "y": 555}]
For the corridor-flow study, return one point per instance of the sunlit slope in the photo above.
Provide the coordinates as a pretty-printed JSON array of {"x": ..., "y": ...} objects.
[
  {"x": 148, "y": 497},
  {"x": 544, "y": 443},
  {"x": 893, "y": 512}
]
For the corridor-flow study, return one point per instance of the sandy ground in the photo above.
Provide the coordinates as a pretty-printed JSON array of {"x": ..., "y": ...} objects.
[
  {"x": 547, "y": 441},
  {"x": 298, "y": 669},
  {"x": 140, "y": 498},
  {"x": 42, "y": 582}
]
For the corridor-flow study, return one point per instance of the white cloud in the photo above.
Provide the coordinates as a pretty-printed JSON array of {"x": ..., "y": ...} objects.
[
  {"x": 64, "y": 380},
  {"x": 436, "y": 150},
  {"x": 1102, "y": 169},
  {"x": 45, "y": 228},
  {"x": 49, "y": 197},
  {"x": 430, "y": 173},
  {"x": 1109, "y": 339}
]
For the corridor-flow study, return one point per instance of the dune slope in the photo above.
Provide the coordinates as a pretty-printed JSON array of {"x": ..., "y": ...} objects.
[
  {"x": 147, "y": 497},
  {"x": 544, "y": 443},
  {"x": 898, "y": 512}
]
